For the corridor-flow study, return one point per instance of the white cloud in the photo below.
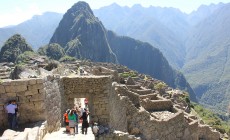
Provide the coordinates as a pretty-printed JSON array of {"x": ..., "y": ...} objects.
[{"x": 19, "y": 15}]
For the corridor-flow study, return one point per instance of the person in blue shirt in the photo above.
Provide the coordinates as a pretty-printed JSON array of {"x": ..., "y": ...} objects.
[{"x": 11, "y": 108}]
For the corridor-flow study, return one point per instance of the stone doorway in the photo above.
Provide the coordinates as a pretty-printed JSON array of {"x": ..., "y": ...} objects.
[{"x": 95, "y": 88}]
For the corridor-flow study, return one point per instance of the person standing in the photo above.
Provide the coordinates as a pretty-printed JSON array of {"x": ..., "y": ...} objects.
[
  {"x": 16, "y": 114},
  {"x": 76, "y": 115},
  {"x": 85, "y": 123},
  {"x": 72, "y": 122},
  {"x": 66, "y": 120},
  {"x": 10, "y": 108}
]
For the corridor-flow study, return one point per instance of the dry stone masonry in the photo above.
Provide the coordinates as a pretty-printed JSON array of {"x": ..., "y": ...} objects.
[{"x": 132, "y": 111}]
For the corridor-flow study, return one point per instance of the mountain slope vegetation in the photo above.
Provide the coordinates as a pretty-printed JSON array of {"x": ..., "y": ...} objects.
[
  {"x": 164, "y": 28},
  {"x": 207, "y": 61},
  {"x": 13, "y": 47}
]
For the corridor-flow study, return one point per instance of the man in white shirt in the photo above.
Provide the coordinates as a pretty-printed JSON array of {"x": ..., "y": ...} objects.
[{"x": 10, "y": 108}]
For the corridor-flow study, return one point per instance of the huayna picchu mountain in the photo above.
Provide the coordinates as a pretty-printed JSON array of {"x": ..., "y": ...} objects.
[
  {"x": 13, "y": 47},
  {"x": 83, "y": 36},
  {"x": 81, "y": 26}
]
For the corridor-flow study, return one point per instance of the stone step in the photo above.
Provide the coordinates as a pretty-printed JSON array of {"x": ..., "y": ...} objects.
[{"x": 5, "y": 73}]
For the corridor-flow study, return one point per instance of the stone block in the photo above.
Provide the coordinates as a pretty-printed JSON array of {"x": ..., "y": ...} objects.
[
  {"x": 21, "y": 88},
  {"x": 22, "y": 136},
  {"x": 9, "y": 134},
  {"x": 11, "y": 94},
  {"x": 1, "y": 108},
  {"x": 39, "y": 105},
  {"x": 39, "y": 81},
  {"x": 10, "y": 89},
  {"x": 19, "y": 82},
  {"x": 41, "y": 91},
  {"x": 18, "y": 88},
  {"x": 37, "y": 97},
  {"x": 20, "y": 94},
  {"x": 7, "y": 82},
  {"x": 2, "y": 89},
  {"x": 23, "y": 99},
  {"x": 31, "y": 92},
  {"x": 32, "y": 87},
  {"x": 32, "y": 81},
  {"x": 27, "y": 107}
]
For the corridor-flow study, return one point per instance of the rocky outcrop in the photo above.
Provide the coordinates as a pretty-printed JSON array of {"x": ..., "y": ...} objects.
[{"x": 35, "y": 133}]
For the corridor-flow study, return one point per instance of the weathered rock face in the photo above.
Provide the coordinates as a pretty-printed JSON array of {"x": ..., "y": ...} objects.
[
  {"x": 80, "y": 24},
  {"x": 13, "y": 47},
  {"x": 35, "y": 133}
]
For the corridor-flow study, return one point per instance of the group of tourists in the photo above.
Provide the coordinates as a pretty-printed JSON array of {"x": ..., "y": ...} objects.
[
  {"x": 72, "y": 117},
  {"x": 12, "y": 109}
]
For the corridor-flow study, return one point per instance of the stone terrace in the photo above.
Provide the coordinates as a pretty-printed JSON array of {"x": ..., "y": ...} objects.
[{"x": 136, "y": 111}]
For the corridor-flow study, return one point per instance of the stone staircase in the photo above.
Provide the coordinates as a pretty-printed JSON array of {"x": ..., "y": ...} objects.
[{"x": 5, "y": 72}]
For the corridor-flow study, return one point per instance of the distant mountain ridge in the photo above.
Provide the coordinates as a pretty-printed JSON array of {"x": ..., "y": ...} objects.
[
  {"x": 165, "y": 28},
  {"x": 37, "y": 30},
  {"x": 207, "y": 62}
]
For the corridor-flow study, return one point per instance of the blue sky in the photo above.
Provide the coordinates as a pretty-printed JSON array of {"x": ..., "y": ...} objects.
[{"x": 13, "y": 12}]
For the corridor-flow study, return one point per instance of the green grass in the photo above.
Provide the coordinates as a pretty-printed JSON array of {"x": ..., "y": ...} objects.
[{"x": 128, "y": 74}]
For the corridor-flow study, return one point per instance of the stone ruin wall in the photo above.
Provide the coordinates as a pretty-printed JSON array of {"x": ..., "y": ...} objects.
[
  {"x": 53, "y": 102},
  {"x": 29, "y": 95},
  {"x": 48, "y": 98},
  {"x": 116, "y": 106},
  {"x": 129, "y": 118}
]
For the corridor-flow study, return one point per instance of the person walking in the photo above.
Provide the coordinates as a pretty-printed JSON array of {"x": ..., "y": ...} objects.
[
  {"x": 10, "y": 108},
  {"x": 85, "y": 123},
  {"x": 72, "y": 122}
]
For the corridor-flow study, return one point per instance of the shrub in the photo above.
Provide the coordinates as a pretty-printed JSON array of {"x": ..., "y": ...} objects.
[
  {"x": 67, "y": 58},
  {"x": 51, "y": 65}
]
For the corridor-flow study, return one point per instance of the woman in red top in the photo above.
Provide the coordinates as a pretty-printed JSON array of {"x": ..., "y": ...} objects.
[{"x": 66, "y": 120}]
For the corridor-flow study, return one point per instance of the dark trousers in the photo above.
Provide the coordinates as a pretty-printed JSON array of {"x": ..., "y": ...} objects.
[
  {"x": 84, "y": 130},
  {"x": 11, "y": 120}
]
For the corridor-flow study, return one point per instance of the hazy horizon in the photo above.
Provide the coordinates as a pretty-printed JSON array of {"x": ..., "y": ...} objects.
[{"x": 15, "y": 12}]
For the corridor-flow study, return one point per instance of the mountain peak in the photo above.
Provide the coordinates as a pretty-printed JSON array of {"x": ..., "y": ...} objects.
[
  {"x": 80, "y": 31},
  {"x": 80, "y": 7}
]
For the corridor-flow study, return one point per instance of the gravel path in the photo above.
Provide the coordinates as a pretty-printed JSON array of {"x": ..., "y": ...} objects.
[{"x": 60, "y": 135}]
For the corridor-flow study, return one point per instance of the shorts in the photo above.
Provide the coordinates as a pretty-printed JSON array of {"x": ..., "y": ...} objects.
[{"x": 66, "y": 123}]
